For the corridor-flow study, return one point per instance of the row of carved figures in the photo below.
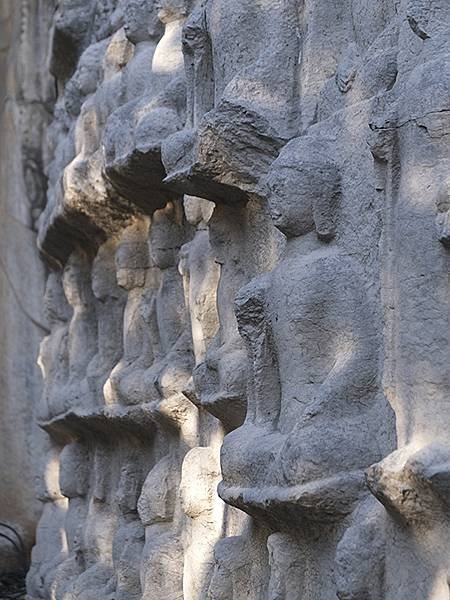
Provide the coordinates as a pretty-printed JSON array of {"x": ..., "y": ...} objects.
[
  {"x": 126, "y": 520},
  {"x": 269, "y": 251}
]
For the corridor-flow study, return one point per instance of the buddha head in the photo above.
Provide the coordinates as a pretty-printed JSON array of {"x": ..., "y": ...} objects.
[
  {"x": 226, "y": 233},
  {"x": 141, "y": 20},
  {"x": 117, "y": 55},
  {"x": 173, "y": 10},
  {"x": 303, "y": 188},
  {"x": 86, "y": 78},
  {"x": 198, "y": 211}
]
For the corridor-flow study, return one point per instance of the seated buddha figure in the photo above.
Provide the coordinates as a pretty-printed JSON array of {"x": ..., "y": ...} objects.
[
  {"x": 152, "y": 104},
  {"x": 314, "y": 384},
  {"x": 136, "y": 276}
]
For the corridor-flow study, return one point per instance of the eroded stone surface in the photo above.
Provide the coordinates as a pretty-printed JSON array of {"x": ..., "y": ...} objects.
[{"x": 245, "y": 373}]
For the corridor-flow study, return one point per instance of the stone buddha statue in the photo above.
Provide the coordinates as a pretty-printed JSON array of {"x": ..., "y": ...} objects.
[
  {"x": 153, "y": 103},
  {"x": 162, "y": 556},
  {"x": 53, "y": 352},
  {"x": 314, "y": 355},
  {"x": 136, "y": 275},
  {"x": 82, "y": 333},
  {"x": 110, "y": 306}
]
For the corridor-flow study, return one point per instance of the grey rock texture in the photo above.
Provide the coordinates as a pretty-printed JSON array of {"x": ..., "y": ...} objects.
[
  {"x": 25, "y": 97},
  {"x": 243, "y": 208}
]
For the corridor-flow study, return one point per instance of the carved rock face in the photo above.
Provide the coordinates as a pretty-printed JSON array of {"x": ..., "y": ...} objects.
[
  {"x": 248, "y": 203},
  {"x": 303, "y": 185}
]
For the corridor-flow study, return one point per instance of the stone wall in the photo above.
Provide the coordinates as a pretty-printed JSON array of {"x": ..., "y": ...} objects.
[{"x": 246, "y": 226}]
